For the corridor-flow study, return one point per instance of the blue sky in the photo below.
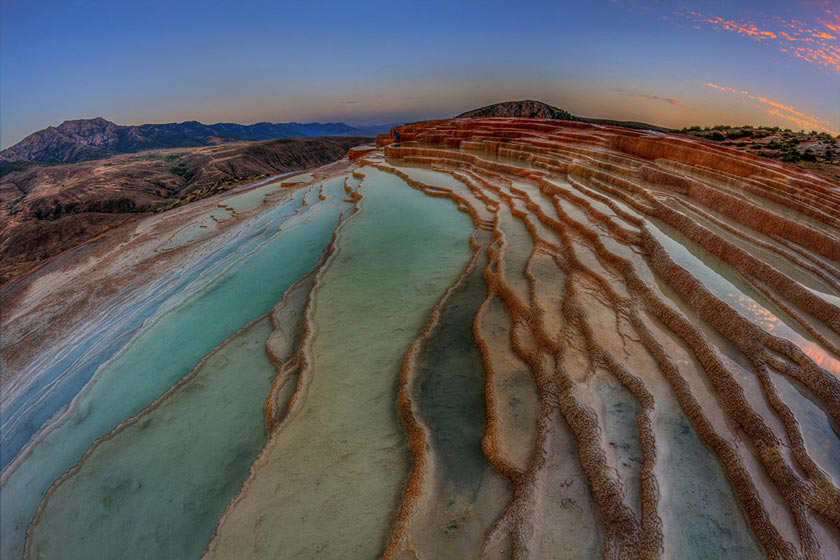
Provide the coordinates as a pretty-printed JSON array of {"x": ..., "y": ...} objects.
[{"x": 664, "y": 62}]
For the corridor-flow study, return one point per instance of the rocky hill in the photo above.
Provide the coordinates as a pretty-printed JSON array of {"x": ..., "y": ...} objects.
[
  {"x": 522, "y": 109},
  {"x": 48, "y": 208},
  {"x": 88, "y": 139},
  {"x": 818, "y": 152},
  {"x": 530, "y": 109}
]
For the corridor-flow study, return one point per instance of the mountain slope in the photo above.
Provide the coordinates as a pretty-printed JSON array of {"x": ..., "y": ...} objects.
[
  {"x": 48, "y": 208},
  {"x": 88, "y": 139}
]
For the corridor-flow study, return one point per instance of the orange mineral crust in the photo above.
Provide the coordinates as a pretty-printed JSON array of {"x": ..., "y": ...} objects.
[{"x": 733, "y": 256}]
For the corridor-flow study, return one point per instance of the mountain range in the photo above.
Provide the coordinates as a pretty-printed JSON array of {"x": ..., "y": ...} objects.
[{"x": 88, "y": 139}]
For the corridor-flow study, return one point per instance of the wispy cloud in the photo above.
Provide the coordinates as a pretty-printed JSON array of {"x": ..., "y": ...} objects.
[
  {"x": 801, "y": 119},
  {"x": 817, "y": 42},
  {"x": 669, "y": 100}
]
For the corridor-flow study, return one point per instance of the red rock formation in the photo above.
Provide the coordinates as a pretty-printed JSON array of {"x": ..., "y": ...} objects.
[{"x": 599, "y": 232}]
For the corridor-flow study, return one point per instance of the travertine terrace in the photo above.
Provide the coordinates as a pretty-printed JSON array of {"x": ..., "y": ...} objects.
[{"x": 500, "y": 338}]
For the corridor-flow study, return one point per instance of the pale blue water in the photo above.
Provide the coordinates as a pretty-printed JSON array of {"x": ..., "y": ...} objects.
[
  {"x": 157, "y": 488},
  {"x": 69, "y": 368},
  {"x": 238, "y": 291},
  {"x": 727, "y": 285},
  {"x": 330, "y": 480}
]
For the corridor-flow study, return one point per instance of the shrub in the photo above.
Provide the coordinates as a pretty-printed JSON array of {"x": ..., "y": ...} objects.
[
  {"x": 180, "y": 170},
  {"x": 738, "y": 133}
]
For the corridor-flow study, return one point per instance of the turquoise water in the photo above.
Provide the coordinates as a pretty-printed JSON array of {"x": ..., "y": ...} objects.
[
  {"x": 56, "y": 376},
  {"x": 157, "y": 488},
  {"x": 162, "y": 354},
  {"x": 450, "y": 391},
  {"x": 329, "y": 483},
  {"x": 465, "y": 494}
]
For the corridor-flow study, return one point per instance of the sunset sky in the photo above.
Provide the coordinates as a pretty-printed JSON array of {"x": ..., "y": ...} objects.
[{"x": 668, "y": 63}]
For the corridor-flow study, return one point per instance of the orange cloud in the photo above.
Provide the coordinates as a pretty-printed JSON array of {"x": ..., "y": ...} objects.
[
  {"x": 834, "y": 21},
  {"x": 808, "y": 43},
  {"x": 747, "y": 28},
  {"x": 802, "y": 124},
  {"x": 802, "y": 120}
]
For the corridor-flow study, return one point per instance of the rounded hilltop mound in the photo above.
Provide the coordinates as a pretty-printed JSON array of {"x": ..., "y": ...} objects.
[{"x": 528, "y": 109}]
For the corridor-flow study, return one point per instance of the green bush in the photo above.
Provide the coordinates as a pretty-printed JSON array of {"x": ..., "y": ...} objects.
[
  {"x": 180, "y": 170},
  {"x": 738, "y": 133}
]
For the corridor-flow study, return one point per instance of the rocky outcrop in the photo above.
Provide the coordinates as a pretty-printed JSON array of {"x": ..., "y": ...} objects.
[{"x": 527, "y": 109}]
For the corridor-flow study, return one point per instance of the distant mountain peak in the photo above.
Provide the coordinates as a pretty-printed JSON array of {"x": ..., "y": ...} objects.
[{"x": 96, "y": 123}]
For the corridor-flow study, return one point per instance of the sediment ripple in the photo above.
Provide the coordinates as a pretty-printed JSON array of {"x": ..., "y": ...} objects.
[
  {"x": 602, "y": 204},
  {"x": 599, "y": 342}
]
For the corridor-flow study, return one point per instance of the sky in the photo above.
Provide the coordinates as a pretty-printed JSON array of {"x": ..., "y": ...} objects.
[{"x": 670, "y": 63}]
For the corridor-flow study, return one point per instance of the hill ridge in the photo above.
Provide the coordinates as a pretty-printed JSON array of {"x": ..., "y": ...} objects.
[{"x": 76, "y": 140}]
